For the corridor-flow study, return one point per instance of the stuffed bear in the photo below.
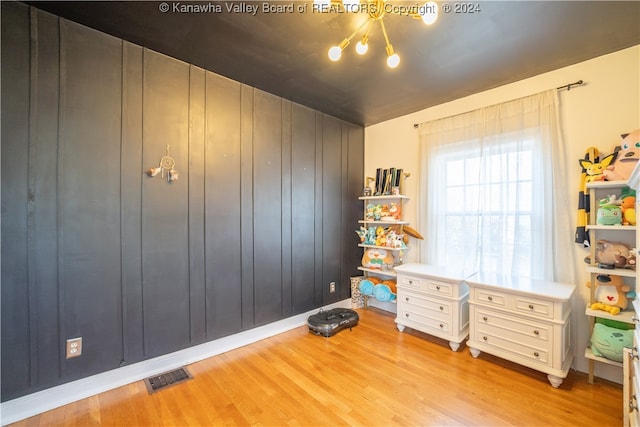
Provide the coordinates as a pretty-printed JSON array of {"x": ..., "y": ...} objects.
[
  {"x": 611, "y": 293},
  {"x": 628, "y": 154}
]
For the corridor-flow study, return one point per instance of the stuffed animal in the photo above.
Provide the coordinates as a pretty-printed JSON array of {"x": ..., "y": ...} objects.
[
  {"x": 381, "y": 236},
  {"x": 628, "y": 206},
  {"x": 611, "y": 293},
  {"x": 609, "y": 212},
  {"x": 362, "y": 233},
  {"x": 377, "y": 258},
  {"x": 610, "y": 342},
  {"x": 628, "y": 154},
  {"x": 595, "y": 171},
  {"x": 609, "y": 215},
  {"x": 613, "y": 255}
]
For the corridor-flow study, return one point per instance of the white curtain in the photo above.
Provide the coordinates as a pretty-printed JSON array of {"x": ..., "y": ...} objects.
[{"x": 493, "y": 194}]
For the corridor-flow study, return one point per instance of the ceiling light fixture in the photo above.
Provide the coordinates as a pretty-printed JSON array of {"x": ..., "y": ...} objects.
[{"x": 376, "y": 10}]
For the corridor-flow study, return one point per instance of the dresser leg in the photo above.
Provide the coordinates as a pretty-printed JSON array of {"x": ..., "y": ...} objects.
[
  {"x": 400, "y": 327},
  {"x": 454, "y": 345},
  {"x": 555, "y": 381},
  {"x": 474, "y": 352}
]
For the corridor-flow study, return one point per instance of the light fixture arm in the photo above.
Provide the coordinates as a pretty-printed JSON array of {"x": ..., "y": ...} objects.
[
  {"x": 346, "y": 41},
  {"x": 386, "y": 37}
]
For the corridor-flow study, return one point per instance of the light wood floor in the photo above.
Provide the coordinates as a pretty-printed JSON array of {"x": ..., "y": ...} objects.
[{"x": 370, "y": 376}]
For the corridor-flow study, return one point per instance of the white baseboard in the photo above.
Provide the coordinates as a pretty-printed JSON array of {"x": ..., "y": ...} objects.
[{"x": 45, "y": 400}]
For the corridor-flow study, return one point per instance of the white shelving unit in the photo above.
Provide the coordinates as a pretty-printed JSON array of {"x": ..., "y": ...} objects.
[
  {"x": 626, "y": 234},
  {"x": 383, "y": 273}
]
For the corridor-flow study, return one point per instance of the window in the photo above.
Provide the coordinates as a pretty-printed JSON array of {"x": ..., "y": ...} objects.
[
  {"x": 487, "y": 209},
  {"x": 492, "y": 193}
]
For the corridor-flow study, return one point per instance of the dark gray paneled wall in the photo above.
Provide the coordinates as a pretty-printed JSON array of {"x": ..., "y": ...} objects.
[{"x": 258, "y": 224}]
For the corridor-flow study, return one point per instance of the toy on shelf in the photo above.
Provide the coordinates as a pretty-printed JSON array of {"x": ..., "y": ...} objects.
[
  {"x": 628, "y": 206},
  {"x": 382, "y": 290},
  {"x": 609, "y": 212},
  {"x": 627, "y": 156},
  {"x": 377, "y": 258},
  {"x": 611, "y": 294},
  {"x": 610, "y": 342},
  {"x": 595, "y": 170},
  {"x": 612, "y": 255}
]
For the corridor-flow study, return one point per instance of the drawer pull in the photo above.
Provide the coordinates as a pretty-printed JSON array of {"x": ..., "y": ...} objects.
[
  {"x": 411, "y": 282},
  {"x": 536, "y": 332},
  {"x": 485, "y": 338},
  {"x": 490, "y": 298},
  {"x": 406, "y": 314},
  {"x": 485, "y": 318},
  {"x": 441, "y": 308},
  {"x": 530, "y": 306},
  {"x": 536, "y": 354},
  {"x": 441, "y": 326},
  {"x": 438, "y": 287},
  {"x": 406, "y": 299},
  {"x": 633, "y": 405},
  {"x": 633, "y": 354}
]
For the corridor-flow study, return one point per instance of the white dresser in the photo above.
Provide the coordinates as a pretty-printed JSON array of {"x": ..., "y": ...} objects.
[
  {"x": 433, "y": 300},
  {"x": 522, "y": 320}
]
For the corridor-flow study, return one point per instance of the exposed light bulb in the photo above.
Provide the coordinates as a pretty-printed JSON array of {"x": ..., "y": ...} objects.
[
  {"x": 393, "y": 60},
  {"x": 335, "y": 53},
  {"x": 362, "y": 47},
  {"x": 429, "y": 12}
]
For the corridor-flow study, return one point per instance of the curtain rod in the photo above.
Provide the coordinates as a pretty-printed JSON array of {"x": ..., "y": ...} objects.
[{"x": 568, "y": 86}]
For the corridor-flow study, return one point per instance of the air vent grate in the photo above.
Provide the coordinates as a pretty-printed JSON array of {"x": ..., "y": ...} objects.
[{"x": 159, "y": 382}]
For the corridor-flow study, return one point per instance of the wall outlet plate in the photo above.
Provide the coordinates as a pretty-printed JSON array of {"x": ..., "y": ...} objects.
[
  {"x": 74, "y": 347},
  {"x": 332, "y": 287}
]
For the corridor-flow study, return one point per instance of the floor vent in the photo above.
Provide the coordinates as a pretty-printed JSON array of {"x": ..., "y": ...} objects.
[{"x": 167, "y": 379}]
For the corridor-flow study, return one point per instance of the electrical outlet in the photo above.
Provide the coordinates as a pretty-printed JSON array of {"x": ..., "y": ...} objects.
[
  {"x": 74, "y": 347},
  {"x": 332, "y": 287}
]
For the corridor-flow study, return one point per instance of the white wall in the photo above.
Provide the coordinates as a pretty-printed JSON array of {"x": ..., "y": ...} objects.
[{"x": 594, "y": 114}]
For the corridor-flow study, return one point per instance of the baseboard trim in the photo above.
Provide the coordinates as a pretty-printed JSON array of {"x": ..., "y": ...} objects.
[{"x": 51, "y": 398}]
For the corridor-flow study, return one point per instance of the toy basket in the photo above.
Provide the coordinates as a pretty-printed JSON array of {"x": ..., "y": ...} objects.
[{"x": 357, "y": 299}]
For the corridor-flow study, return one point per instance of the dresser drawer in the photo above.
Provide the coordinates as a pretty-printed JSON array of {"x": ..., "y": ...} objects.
[
  {"x": 412, "y": 282},
  {"x": 438, "y": 287},
  {"x": 424, "y": 322},
  {"x": 532, "y": 306},
  {"x": 431, "y": 286},
  {"x": 489, "y": 297},
  {"x": 418, "y": 303},
  {"x": 521, "y": 351},
  {"x": 525, "y": 332}
]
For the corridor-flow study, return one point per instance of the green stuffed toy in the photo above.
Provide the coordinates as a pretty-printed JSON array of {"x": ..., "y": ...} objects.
[{"x": 609, "y": 342}]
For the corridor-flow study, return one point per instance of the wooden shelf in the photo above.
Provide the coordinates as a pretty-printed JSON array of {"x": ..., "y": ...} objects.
[
  {"x": 386, "y": 197},
  {"x": 624, "y": 272},
  {"x": 612, "y": 227},
  {"x": 390, "y": 273},
  {"x": 624, "y": 316},
  {"x": 589, "y": 355},
  {"x": 362, "y": 245},
  {"x": 607, "y": 184},
  {"x": 391, "y": 222}
]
